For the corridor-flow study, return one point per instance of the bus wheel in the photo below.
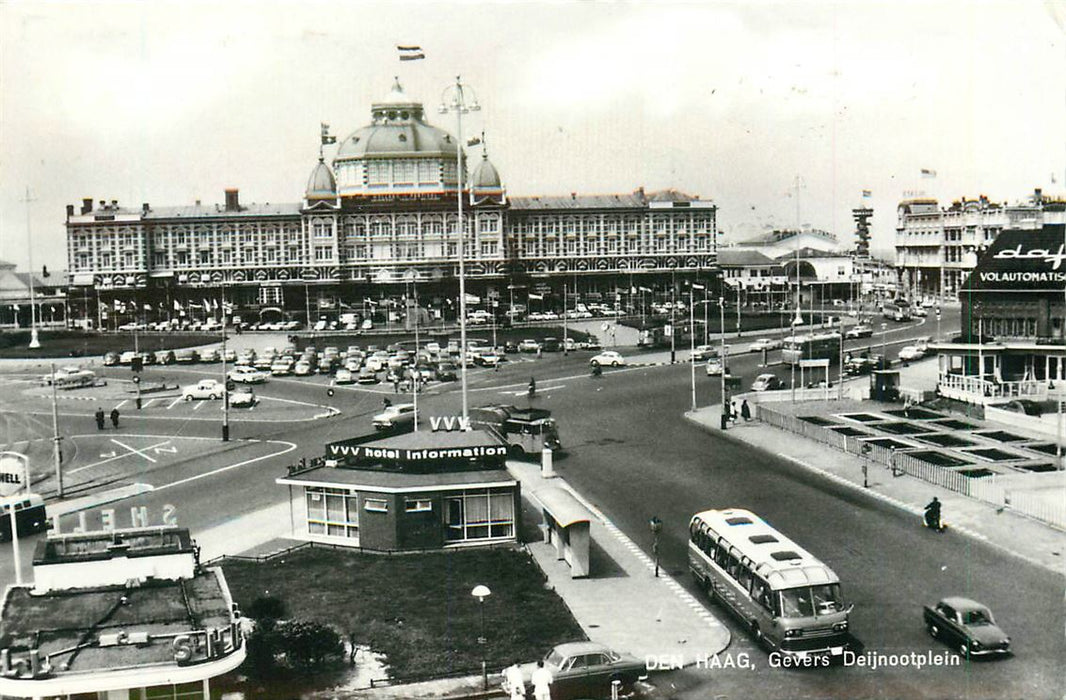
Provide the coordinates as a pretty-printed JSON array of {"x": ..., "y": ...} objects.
[{"x": 756, "y": 632}]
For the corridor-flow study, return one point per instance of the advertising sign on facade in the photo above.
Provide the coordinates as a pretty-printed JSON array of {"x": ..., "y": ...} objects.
[
  {"x": 12, "y": 473},
  {"x": 1023, "y": 260}
]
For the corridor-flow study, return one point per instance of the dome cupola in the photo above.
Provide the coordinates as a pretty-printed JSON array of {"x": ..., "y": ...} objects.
[{"x": 321, "y": 184}]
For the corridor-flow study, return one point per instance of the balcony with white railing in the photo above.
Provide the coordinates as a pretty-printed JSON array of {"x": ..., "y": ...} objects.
[{"x": 974, "y": 389}]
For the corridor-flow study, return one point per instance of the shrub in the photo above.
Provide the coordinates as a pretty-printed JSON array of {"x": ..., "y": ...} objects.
[{"x": 308, "y": 645}]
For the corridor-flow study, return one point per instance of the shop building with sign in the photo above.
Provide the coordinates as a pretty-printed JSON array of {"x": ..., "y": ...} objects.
[
  {"x": 1012, "y": 343},
  {"x": 127, "y": 614},
  {"x": 421, "y": 490}
]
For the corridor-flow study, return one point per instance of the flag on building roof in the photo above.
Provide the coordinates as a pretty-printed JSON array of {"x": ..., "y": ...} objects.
[
  {"x": 867, "y": 194},
  {"x": 473, "y": 142},
  {"x": 410, "y": 53},
  {"x": 326, "y": 138},
  {"x": 928, "y": 173}
]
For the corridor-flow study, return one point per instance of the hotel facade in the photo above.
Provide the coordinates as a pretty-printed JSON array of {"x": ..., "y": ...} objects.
[{"x": 381, "y": 216}]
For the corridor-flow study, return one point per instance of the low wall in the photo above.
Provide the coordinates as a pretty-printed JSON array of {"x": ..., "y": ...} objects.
[{"x": 988, "y": 489}]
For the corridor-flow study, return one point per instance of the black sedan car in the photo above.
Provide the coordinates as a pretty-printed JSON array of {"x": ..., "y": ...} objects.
[{"x": 966, "y": 625}]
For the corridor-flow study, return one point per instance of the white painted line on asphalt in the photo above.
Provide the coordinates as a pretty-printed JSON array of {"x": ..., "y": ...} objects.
[
  {"x": 291, "y": 446},
  {"x": 121, "y": 403},
  {"x": 113, "y": 457},
  {"x": 133, "y": 450},
  {"x": 148, "y": 403},
  {"x": 198, "y": 406},
  {"x": 175, "y": 402}
]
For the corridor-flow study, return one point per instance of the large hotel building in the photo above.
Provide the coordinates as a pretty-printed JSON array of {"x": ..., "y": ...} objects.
[{"x": 384, "y": 215}]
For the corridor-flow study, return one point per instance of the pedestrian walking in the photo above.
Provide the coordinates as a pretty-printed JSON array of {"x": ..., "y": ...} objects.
[
  {"x": 932, "y": 515},
  {"x": 114, "y": 417},
  {"x": 542, "y": 679},
  {"x": 99, "y": 419},
  {"x": 532, "y": 387},
  {"x": 745, "y": 411},
  {"x": 386, "y": 402},
  {"x": 396, "y": 383}
]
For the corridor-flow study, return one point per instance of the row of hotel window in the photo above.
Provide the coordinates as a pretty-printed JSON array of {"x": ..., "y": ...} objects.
[
  {"x": 405, "y": 172},
  {"x": 475, "y": 514}
]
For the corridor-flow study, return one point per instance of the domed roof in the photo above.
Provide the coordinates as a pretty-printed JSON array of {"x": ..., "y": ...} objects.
[
  {"x": 485, "y": 177},
  {"x": 321, "y": 183},
  {"x": 397, "y": 128}
]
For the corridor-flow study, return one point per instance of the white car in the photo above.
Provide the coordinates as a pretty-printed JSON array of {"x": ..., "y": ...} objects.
[
  {"x": 909, "y": 353},
  {"x": 395, "y": 416},
  {"x": 919, "y": 311},
  {"x": 609, "y": 358},
  {"x": 714, "y": 367},
  {"x": 204, "y": 389},
  {"x": 343, "y": 376},
  {"x": 705, "y": 352},
  {"x": 246, "y": 374},
  {"x": 765, "y": 344},
  {"x": 766, "y": 382},
  {"x": 127, "y": 357},
  {"x": 243, "y": 399}
]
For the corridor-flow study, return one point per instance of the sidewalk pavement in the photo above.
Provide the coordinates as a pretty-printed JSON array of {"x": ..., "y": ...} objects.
[
  {"x": 1010, "y": 532},
  {"x": 621, "y": 603}
]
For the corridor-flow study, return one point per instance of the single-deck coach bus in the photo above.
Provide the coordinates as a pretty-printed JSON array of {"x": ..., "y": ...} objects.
[
  {"x": 817, "y": 346},
  {"x": 790, "y": 601}
]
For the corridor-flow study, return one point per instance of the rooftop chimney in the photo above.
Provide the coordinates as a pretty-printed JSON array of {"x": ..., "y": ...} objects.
[
  {"x": 86, "y": 205},
  {"x": 70, "y": 210},
  {"x": 232, "y": 201}
]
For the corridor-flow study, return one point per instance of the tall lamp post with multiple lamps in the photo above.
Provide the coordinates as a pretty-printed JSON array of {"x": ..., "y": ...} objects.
[{"x": 454, "y": 99}]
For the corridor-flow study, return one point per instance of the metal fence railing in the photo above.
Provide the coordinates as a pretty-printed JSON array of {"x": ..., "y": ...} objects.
[{"x": 988, "y": 489}]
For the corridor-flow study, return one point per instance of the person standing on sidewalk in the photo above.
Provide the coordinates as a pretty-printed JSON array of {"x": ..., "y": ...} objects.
[
  {"x": 114, "y": 417},
  {"x": 99, "y": 418},
  {"x": 542, "y": 679},
  {"x": 516, "y": 686},
  {"x": 745, "y": 411}
]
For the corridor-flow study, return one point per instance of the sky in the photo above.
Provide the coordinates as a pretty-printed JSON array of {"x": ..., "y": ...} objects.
[{"x": 782, "y": 113}]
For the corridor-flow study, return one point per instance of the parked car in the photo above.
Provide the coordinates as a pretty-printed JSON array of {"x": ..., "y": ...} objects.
[
  {"x": 204, "y": 389},
  {"x": 164, "y": 357},
  {"x": 186, "y": 356},
  {"x": 367, "y": 376},
  {"x": 343, "y": 376},
  {"x": 859, "y": 331},
  {"x": 395, "y": 416},
  {"x": 212, "y": 355},
  {"x": 551, "y": 344},
  {"x": 967, "y": 626},
  {"x": 110, "y": 359},
  {"x": 609, "y": 358},
  {"x": 487, "y": 358},
  {"x": 584, "y": 670},
  {"x": 909, "y": 353},
  {"x": 447, "y": 372},
  {"x": 765, "y": 344},
  {"x": 282, "y": 366},
  {"x": 326, "y": 364},
  {"x": 127, "y": 357},
  {"x": 766, "y": 382},
  {"x": 245, "y": 398},
  {"x": 303, "y": 368},
  {"x": 246, "y": 357},
  {"x": 528, "y": 345},
  {"x": 243, "y": 374}
]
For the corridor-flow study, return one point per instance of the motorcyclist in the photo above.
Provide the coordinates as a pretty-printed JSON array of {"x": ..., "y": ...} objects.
[{"x": 932, "y": 515}]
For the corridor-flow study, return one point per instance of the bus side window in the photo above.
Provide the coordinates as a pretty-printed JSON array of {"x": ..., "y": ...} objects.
[
  {"x": 760, "y": 593},
  {"x": 732, "y": 565},
  {"x": 721, "y": 556},
  {"x": 743, "y": 575}
]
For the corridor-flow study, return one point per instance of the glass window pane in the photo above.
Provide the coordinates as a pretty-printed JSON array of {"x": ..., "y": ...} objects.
[
  {"x": 335, "y": 508},
  {"x": 501, "y": 506},
  {"x": 827, "y": 599},
  {"x": 316, "y": 506},
  {"x": 796, "y": 602},
  {"x": 477, "y": 509}
]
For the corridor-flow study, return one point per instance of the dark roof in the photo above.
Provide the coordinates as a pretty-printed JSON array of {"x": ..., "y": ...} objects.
[
  {"x": 598, "y": 201},
  {"x": 396, "y": 481},
  {"x": 65, "y": 620},
  {"x": 101, "y": 545},
  {"x": 743, "y": 257}
]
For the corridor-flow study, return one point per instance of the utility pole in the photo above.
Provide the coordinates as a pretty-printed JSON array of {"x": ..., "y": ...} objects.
[
  {"x": 34, "y": 340},
  {"x": 57, "y": 453}
]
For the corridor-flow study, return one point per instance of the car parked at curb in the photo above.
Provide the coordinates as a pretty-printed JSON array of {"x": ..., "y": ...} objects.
[
  {"x": 967, "y": 626},
  {"x": 583, "y": 670},
  {"x": 343, "y": 376}
]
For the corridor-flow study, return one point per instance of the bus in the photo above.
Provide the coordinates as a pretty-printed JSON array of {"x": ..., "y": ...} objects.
[
  {"x": 898, "y": 310},
  {"x": 790, "y": 602},
  {"x": 815, "y": 346},
  {"x": 30, "y": 515}
]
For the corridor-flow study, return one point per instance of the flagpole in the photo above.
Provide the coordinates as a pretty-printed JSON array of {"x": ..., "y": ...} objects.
[{"x": 34, "y": 340}]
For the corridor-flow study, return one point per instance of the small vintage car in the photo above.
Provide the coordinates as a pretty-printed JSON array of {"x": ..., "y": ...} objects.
[
  {"x": 967, "y": 626},
  {"x": 584, "y": 670}
]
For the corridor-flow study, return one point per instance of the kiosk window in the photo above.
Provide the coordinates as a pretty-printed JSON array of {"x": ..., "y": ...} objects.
[
  {"x": 376, "y": 505},
  {"x": 331, "y": 512},
  {"x": 480, "y": 514}
]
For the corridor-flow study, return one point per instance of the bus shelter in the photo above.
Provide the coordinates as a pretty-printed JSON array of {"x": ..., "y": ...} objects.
[{"x": 566, "y": 525}]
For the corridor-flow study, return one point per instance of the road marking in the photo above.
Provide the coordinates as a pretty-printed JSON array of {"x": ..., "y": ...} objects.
[
  {"x": 112, "y": 456},
  {"x": 107, "y": 455},
  {"x": 292, "y": 446},
  {"x": 133, "y": 450},
  {"x": 171, "y": 450},
  {"x": 148, "y": 403},
  {"x": 175, "y": 402},
  {"x": 198, "y": 405},
  {"x": 121, "y": 403}
]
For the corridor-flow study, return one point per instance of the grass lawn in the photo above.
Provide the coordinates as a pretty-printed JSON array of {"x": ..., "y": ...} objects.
[
  {"x": 65, "y": 343},
  {"x": 417, "y": 609}
]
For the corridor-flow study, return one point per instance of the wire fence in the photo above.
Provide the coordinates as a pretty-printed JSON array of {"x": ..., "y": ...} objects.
[{"x": 987, "y": 488}]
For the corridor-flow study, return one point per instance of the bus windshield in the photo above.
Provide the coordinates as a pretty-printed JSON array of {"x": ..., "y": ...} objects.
[{"x": 810, "y": 601}]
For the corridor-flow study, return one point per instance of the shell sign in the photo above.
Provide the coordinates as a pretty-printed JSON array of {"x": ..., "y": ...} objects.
[{"x": 12, "y": 474}]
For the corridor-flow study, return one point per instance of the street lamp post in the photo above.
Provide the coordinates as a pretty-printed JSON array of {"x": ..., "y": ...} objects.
[
  {"x": 454, "y": 100},
  {"x": 656, "y": 526},
  {"x": 481, "y": 592},
  {"x": 884, "y": 346},
  {"x": 721, "y": 352},
  {"x": 34, "y": 341}
]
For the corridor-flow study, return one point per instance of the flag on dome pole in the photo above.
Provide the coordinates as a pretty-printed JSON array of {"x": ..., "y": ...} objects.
[
  {"x": 926, "y": 172},
  {"x": 410, "y": 53},
  {"x": 473, "y": 142},
  {"x": 326, "y": 138},
  {"x": 866, "y": 194}
]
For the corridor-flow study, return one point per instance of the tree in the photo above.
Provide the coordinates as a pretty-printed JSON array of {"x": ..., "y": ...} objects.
[{"x": 308, "y": 644}]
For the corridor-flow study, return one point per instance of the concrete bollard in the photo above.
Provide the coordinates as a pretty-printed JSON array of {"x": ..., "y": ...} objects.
[{"x": 546, "y": 469}]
